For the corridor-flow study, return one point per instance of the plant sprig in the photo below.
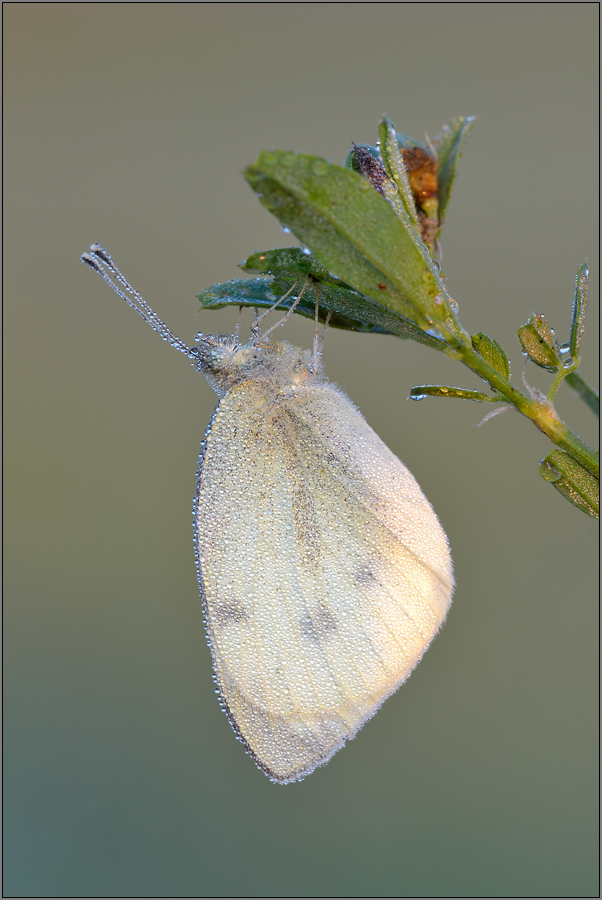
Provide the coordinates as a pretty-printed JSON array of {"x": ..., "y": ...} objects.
[{"x": 370, "y": 240}]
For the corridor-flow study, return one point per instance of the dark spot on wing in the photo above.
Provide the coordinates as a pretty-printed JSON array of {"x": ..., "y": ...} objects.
[
  {"x": 319, "y": 628},
  {"x": 309, "y": 630},
  {"x": 364, "y": 575},
  {"x": 229, "y": 613}
]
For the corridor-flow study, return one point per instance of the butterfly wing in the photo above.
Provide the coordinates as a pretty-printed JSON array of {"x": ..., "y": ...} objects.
[{"x": 324, "y": 571}]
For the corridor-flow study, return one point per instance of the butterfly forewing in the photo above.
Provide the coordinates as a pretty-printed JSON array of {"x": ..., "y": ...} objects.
[{"x": 321, "y": 593}]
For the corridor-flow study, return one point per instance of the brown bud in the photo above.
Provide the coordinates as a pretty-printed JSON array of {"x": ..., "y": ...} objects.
[
  {"x": 370, "y": 168},
  {"x": 422, "y": 173},
  {"x": 424, "y": 183}
]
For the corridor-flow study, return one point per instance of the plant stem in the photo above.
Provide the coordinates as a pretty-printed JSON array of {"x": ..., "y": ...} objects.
[
  {"x": 589, "y": 396},
  {"x": 541, "y": 411},
  {"x": 556, "y": 384}
]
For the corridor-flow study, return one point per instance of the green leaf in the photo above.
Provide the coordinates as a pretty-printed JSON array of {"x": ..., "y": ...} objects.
[
  {"x": 420, "y": 391},
  {"x": 539, "y": 343},
  {"x": 405, "y": 142},
  {"x": 395, "y": 166},
  {"x": 238, "y": 292},
  {"x": 350, "y": 310},
  {"x": 572, "y": 480},
  {"x": 448, "y": 145},
  {"x": 286, "y": 261},
  {"x": 492, "y": 352},
  {"x": 352, "y": 230},
  {"x": 588, "y": 394},
  {"x": 579, "y": 308}
]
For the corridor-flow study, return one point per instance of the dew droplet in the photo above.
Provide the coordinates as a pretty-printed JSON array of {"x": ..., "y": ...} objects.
[
  {"x": 319, "y": 167},
  {"x": 433, "y": 332}
]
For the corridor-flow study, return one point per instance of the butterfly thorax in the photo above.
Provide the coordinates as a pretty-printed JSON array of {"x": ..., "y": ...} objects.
[{"x": 226, "y": 363}]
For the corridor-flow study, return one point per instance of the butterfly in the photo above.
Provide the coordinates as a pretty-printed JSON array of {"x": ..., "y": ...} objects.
[{"x": 323, "y": 570}]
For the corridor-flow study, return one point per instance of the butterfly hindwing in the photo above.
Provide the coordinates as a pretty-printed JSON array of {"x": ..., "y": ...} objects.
[{"x": 318, "y": 605}]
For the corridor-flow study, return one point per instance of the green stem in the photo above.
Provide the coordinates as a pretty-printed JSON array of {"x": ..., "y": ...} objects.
[
  {"x": 541, "y": 412},
  {"x": 556, "y": 384},
  {"x": 589, "y": 396}
]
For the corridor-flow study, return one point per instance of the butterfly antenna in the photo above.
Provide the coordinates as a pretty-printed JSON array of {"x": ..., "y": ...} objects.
[{"x": 99, "y": 260}]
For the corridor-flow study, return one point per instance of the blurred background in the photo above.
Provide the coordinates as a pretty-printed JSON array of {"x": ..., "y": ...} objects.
[{"x": 129, "y": 124}]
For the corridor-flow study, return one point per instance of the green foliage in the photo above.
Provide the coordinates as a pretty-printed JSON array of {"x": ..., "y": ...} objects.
[
  {"x": 539, "y": 343},
  {"x": 352, "y": 230},
  {"x": 493, "y": 352},
  {"x": 394, "y": 164},
  {"x": 579, "y": 308},
  {"x": 289, "y": 267},
  {"x": 370, "y": 233},
  {"x": 420, "y": 391},
  {"x": 572, "y": 480},
  {"x": 448, "y": 144},
  {"x": 587, "y": 393},
  {"x": 289, "y": 261}
]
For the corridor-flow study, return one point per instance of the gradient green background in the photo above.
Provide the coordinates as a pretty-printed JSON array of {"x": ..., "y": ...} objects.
[{"x": 129, "y": 124}]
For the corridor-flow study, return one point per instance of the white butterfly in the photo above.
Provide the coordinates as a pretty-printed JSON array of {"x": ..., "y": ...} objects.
[{"x": 323, "y": 568}]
